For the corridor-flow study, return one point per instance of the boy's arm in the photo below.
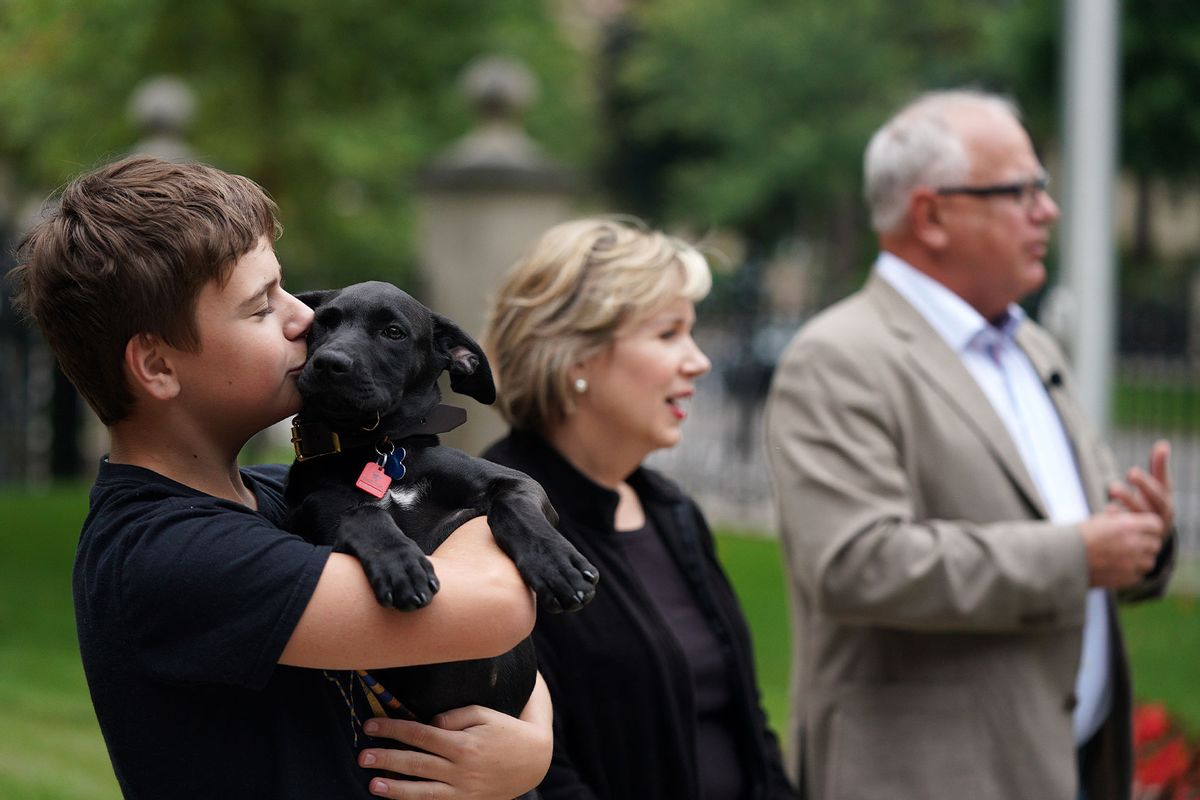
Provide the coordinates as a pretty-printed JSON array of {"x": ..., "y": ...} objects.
[
  {"x": 482, "y": 609},
  {"x": 471, "y": 752}
]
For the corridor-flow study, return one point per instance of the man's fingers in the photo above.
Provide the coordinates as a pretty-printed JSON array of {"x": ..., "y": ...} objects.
[
  {"x": 1138, "y": 522},
  {"x": 1153, "y": 493},
  {"x": 1124, "y": 496},
  {"x": 1149, "y": 554},
  {"x": 1160, "y": 458},
  {"x": 1122, "y": 546}
]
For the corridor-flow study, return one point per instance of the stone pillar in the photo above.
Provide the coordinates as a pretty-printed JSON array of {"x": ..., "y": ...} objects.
[{"x": 481, "y": 203}]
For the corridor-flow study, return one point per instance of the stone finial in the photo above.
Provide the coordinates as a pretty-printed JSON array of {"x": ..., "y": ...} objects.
[
  {"x": 497, "y": 152},
  {"x": 499, "y": 87},
  {"x": 163, "y": 108}
]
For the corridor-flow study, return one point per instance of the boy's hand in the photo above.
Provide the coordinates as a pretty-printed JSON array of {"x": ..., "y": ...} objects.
[{"x": 471, "y": 752}]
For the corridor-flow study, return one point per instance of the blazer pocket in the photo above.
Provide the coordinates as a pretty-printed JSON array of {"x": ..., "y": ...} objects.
[{"x": 907, "y": 741}]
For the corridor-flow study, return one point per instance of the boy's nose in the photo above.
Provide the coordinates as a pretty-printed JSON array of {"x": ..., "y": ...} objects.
[{"x": 301, "y": 319}]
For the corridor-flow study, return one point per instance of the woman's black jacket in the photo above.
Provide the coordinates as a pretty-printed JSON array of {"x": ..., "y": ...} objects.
[{"x": 624, "y": 725}]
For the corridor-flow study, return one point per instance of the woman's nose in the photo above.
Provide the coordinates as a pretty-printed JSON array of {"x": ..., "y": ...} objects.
[{"x": 697, "y": 363}]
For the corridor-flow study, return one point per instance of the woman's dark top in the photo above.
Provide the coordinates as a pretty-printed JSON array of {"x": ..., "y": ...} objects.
[
  {"x": 717, "y": 754},
  {"x": 625, "y": 704}
]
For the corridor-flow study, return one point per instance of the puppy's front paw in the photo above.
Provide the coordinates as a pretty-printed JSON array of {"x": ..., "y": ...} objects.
[
  {"x": 402, "y": 578},
  {"x": 560, "y": 576}
]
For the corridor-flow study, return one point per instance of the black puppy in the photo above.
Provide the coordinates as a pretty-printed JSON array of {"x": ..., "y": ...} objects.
[{"x": 371, "y": 479}]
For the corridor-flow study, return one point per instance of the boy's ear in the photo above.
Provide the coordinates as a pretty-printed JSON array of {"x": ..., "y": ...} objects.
[
  {"x": 470, "y": 373},
  {"x": 316, "y": 297},
  {"x": 148, "y": 364}
]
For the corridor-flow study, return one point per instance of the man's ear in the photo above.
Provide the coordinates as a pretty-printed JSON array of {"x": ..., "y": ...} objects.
[
  {"x": 316, "y": 297},
  {"x": 926, "y": 219},
  {"x": 470, "y": 372},
  {"x": 148, "y": 365}
]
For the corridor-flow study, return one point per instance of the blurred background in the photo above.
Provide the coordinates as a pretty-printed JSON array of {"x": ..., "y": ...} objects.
[{"x": 429, "y": 142}]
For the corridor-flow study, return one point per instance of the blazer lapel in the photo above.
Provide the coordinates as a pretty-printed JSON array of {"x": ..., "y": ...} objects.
[
  {"x": 1052, "y": 372},
  {"x": 942, "y": 368}
]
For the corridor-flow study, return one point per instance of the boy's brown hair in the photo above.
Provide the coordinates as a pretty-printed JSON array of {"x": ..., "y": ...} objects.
[{"x": 126, "y": 251}]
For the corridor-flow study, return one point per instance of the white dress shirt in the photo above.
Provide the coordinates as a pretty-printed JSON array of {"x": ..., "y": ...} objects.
[{"x": 1012, "y": 385}]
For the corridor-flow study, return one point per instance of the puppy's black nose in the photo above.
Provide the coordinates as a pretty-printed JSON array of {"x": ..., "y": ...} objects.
[{"x": 331, "y": 362}]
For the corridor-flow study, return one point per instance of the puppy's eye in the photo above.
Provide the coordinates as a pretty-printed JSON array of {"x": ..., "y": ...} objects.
[{"x": 394, "y": 332}]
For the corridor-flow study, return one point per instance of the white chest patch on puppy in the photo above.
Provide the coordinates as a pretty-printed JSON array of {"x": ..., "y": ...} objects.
[{"x": 403, "y": 496}]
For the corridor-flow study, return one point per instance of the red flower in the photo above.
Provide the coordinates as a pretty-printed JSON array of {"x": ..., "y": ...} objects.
[
  {"x": 1167, "y": 763},
  {"x": 1150, "y": 723}
]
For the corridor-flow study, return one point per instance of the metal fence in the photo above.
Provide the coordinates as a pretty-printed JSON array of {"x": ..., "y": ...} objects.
[{"x": 1159, "y": 398}]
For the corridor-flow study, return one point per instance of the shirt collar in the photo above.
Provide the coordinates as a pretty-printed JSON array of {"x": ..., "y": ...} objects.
[{"x": 952, "y": 317}]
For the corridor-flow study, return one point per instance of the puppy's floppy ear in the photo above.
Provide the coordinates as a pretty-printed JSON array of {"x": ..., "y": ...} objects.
[
  {"x": 316, "y": 297},
  {"x": 470, "y": 373}
]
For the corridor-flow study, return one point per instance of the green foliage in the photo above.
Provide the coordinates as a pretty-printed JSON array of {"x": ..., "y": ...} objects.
[
  {"x": 1160, "y": 123},
  {"x": 1159, "y": 75},
  {"x": 331, "y": 106},
  {"x": 775, "y": 101}
]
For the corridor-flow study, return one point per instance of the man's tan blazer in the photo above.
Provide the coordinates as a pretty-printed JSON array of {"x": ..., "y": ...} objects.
[{"x": 937, "y": 615}]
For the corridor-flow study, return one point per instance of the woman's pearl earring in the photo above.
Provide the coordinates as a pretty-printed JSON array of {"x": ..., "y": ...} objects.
[{"x": 581, "y": 385}]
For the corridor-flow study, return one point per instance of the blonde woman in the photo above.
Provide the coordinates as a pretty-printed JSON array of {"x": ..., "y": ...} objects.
[{"x": 590, "y": 337}]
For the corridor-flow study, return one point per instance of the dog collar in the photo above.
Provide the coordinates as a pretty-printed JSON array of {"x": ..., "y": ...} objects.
[{"x": 313, "y": 439}]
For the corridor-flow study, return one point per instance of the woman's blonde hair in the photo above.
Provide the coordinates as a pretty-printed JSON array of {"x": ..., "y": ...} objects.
[{"x": 566, "y": 298}]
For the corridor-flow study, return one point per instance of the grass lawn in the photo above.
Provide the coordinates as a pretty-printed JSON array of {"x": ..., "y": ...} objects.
[
  {"x": 50, "y": 745},
  {"x": 1167, "y": 407}
]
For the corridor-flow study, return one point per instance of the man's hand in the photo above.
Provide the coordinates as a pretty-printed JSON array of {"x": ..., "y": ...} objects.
[
  {"x": 471, "y": 752},
  {"x": 1121, "y": 546},
  {"x": 1148, "y": 492}
]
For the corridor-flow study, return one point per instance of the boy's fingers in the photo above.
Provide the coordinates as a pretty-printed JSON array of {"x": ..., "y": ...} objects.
[
  {"x": 409, "y": 790},
  {"x": 423, "y": 737},
  {"x": 459, "y": 719},
  {"x": 406, "y": 762}
]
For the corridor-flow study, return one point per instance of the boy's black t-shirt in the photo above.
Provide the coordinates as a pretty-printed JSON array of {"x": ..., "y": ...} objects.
[{"x": 183, "y": 604}]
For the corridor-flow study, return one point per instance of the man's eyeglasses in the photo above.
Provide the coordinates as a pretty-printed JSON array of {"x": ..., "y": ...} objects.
[{"x": 1025, "y": 192}]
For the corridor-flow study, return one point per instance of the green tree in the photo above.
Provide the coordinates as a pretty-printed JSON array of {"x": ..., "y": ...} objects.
[
  {"x": 331, "y": 106},
  {"x": 755, "y": 114},
  {"x": 1159, "y": 61}
]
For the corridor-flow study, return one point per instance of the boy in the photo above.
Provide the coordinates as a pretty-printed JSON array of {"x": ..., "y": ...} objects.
[{"x": 217, "y": 647}]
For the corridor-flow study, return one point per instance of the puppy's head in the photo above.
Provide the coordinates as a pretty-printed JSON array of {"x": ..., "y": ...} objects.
[{"x": 375, "y": 354}]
